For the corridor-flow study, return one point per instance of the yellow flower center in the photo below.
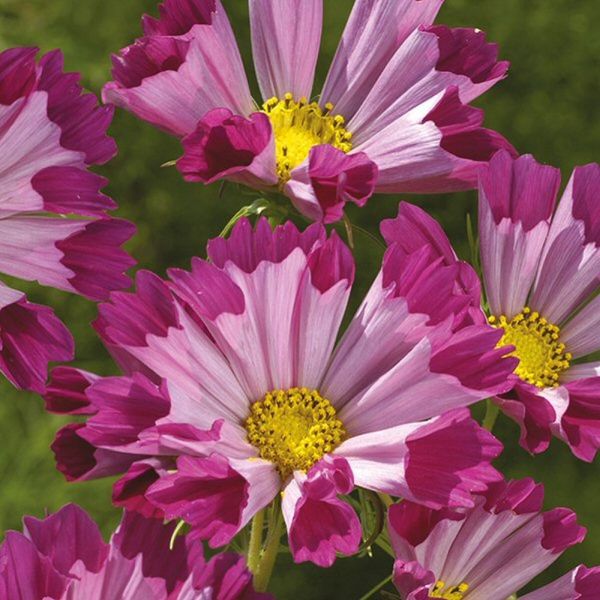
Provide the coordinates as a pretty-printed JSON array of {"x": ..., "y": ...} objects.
[
  {"x": 294, "y": 428},
  {"x": 298, "y": 126},
  {"x": 542, "y": 356},
  {"x": 456, "y": 592}
]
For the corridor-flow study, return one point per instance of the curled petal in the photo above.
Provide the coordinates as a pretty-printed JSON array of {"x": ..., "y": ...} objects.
[
  {"x": 319, "y": 524},
  {"x": 66, "y": 392},
  {"x": 321, "y": 188},
  {"x": 31, "y": 336},
  {"x": 227, "y": 145},
  {"x": 450, "y": 459},
  {"x": 212, "y": 496}
]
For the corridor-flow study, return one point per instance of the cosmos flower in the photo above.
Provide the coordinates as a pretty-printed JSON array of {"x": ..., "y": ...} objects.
[
  {"x": 487, "y": 552},
  {"x": 49, "y": 135},
  {"x": 541, "y": 269},
  {"x": 393, "y": 115},
  {"x": 63, "y": 557},
  {"x": 235, "y": 390}
]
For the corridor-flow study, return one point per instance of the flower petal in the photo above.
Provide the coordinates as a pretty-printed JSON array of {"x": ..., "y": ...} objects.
[
  {"x": 449, "y": 460},
  {"x": 581, "y": 334},
  {"x": 26, "y": 573},
  {"x": 571, "y": 259},
  {"x": 286, "y": 35},
  {"x": 320, "y": 188},
  {"x": 78, "y": 460},
  {"x": 66, "y": 392},
  {"x": 125, "y": 407},
  {"x": 31, "y": 336},
  {"x": 228, "y": 146},
  {"x": 375, "y": 30},
  {"x": 66, "y": 537},
  {"x": 79, "y": 256},
  {"x": 581, "y": 583},
  {"x": 516, "y": 199},
  {"x": 173, "y": 82},
  {"x": 215, "y": 496},
  {"x": 580, "y": 423},
  {"x": 283, "y": 276},
  {"x": 430, "y": 62},
  {"x": 319, "y": 524},
  {"x": 437, "y": 147}
]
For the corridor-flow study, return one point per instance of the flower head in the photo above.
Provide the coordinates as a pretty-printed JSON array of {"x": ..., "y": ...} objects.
[
  {"x": 235, "y": 389},
  {"x": 489, "y": 551},
  {"x": 541, "y": 269},
  {"x": 50, "y": 134},
  {"x": 63, "y": 556},
  {"x": 392, "y": 116}
]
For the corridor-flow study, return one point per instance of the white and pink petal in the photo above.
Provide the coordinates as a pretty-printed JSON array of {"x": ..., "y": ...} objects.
[
  {"x": 570, "y": 262},
  {"x": 516, "y": 200},
  {"x": 375, "y": 30},
  {"x": 172, "y": 82},
  {"x": 286, "y": 35}
]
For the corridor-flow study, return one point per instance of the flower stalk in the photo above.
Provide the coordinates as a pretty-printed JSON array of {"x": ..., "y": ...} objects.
[
  {"x": 491, "y": 414},
  {"x": 262, "y": 575},
  {"x": 256, "y": 537}
]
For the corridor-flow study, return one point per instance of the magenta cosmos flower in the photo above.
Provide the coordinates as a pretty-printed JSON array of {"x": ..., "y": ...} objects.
[
  {"x": 236, "y": 391},
  {"x": 63, "y": 557},
  {"x": 487, "y": 552},
  {"x": 541, "y": 272},
  {"x": 49, "y": 135},
  {"x": 392, "y": 116}
]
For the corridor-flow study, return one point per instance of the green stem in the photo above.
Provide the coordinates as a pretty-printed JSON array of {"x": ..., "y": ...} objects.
[
  {"x": 264, "y": 571},
  {"x": 372, "y": 237},
  {"x": 377, "y": 588},
  {"x": 379, "y": 519},
  {"x": 349, "y": 234},
  {"x": 386, "y": 499},
  {"x": 491, "y": 414},
  {"x": 385, "y": 546},
  {"x": 175, "y": 533},
  {"x": 255, "y": 545}
]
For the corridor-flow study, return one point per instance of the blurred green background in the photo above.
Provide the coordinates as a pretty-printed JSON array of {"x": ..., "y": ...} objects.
[{"x": 547, "y": 106}]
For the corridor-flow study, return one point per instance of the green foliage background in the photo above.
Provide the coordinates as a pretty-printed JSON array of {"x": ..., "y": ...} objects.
[{"x": 548, "y": 106}]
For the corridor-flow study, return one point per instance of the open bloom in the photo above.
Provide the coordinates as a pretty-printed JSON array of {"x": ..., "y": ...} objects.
[
  {"x": 392, "y": 116},
  {"x": 49, "y": 135},
  {"x": 487, "y": 552},
  {"x": 541, "y": 273},
  {"x": 236, "y": 390},
  {"x": 63, "y": 557}
]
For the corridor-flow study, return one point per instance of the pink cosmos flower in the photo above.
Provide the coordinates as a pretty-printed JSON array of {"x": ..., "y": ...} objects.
[
  {"x": 64, "y": 557},
  {"x": 393, "y": 114},
  {"x": 235, "y": 389},
  {"x": 489, "y": 551},
  {"x": 541, "y": 270},
  {"x": 49, "y": 135}
]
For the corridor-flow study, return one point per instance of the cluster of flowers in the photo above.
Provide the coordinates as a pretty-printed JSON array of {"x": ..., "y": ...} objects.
[{"x": 240, "y": 404}]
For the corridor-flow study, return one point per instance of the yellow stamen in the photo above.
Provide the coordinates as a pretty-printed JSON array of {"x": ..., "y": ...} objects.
[
  {"x": 537, "y": 346},
  {"x": 298, "y": 126},
  {"x": 456, "y": 592},
  {"x": 294, "y": 428}
]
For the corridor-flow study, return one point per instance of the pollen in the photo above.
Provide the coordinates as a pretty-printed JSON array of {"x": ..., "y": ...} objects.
[
  {"x": 294, "y": 428},
  {"x": 456, "y": 592},
  {"x": 542, "y": 356},
  {"x": 299, "y": 126}
]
